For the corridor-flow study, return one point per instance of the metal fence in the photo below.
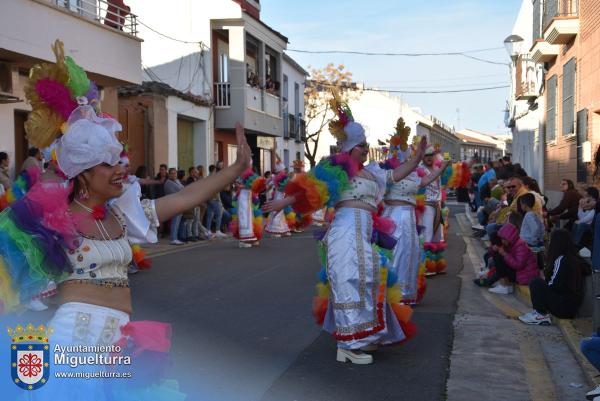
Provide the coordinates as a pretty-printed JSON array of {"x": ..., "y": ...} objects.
[{"x": 112, "y": 13}]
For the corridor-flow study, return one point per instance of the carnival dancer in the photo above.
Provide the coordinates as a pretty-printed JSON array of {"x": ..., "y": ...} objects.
[
  {"x": 353, "y": 303},
  {"x": 64, "y": 230},
  {"x": 433, "y": 231},
  {"x": 247, "y": 218},
  {"x": 400, "y": 206},
  {"x": 277, "y": 222}
]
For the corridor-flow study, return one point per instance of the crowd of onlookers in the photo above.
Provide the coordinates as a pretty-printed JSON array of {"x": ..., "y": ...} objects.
[
  {"x": 530, "y": 243},
  {"x": 546, "y": 248}
]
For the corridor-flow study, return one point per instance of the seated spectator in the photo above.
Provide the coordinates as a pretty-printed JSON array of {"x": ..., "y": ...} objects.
[
  {"x": 514, "y": 189},
  {"x": 516, "y": 219},
  {"x": 561, "y": 293},
  {"x": 590, "y": 347},
  {"x": 532, "y": 228},
  {"x": 585, "y": 216},
  {"x": 491, "y": 202},
  {"x": 5, "y": 180},
  {"x": 513, "y": 260},
  {"x": 568, "y": 206}
]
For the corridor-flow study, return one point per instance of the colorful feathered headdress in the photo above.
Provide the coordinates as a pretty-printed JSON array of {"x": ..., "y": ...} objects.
[
  {"x": 343, "y": 127},
  {"x": 54, "y": 92},
  {"x": 398, "y": 143}
]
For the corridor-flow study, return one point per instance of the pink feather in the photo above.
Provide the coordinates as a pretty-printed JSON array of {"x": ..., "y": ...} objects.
[
  {"x": 56, "y": 96},
  {"x": 53, "y": 197},
  {"x": 384, "y": 225}
]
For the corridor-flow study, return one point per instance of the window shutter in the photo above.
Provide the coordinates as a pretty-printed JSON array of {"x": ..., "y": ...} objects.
[
  {"x": 537, "y": 16},
  {"x": 551, "y": 110},
  {"x": 582, "y": 128},
  {"x": 568, "y": 98}
]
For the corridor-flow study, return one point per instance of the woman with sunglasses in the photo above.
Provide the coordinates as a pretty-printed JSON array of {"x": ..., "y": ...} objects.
[{"x": 353, "y": 302}]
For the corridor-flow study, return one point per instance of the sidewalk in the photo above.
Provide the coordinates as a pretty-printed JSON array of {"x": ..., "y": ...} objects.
[{"x": 496, "y": 357}]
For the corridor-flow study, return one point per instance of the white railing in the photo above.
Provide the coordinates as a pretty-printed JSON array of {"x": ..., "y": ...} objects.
[
  {"x": 222, "y": 94},
  {"x": 113, "y": 13},
  {"x": 253, "y": 98},
  {"x": 271, "y": 105}
]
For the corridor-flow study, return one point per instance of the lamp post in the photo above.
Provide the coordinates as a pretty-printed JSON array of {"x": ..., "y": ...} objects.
[{"x": 513, "y": 45}]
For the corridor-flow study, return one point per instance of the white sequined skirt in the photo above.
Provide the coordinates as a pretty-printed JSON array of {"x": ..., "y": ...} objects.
[{"x": 354, "y": 315}]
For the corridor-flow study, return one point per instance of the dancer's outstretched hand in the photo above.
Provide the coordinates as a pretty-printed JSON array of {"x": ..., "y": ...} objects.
[
  {"x": 422, "y": 148},
  {"x": 277, "y": 205},
  {"x": 244, "y": 154}
]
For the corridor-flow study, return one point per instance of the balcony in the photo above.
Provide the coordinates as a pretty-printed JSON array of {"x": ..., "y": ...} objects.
[
  {"x": 29, "y": 27},
  {"x": 222, "y": 95},
  {"x": 302, "y": 130},
  {"x": 527, "y": 85},
  {"x": 562, "y": 30},
  {"x": 292, "y": 127},
  {"x": 543, "y": 52},
  {"x": 560, "y": 21}
]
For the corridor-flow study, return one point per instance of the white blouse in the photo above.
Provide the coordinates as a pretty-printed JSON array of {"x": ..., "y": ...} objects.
[{"x": 405, "y": 189}]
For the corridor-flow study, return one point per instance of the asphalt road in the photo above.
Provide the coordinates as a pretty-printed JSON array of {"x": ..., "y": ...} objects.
[{"x": 243, "y": 330}]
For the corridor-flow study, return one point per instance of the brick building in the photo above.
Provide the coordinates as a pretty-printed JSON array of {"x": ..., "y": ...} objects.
[{"x": 567, "y": 41}]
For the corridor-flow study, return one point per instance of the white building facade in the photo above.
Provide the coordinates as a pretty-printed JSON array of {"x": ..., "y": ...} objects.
[{"x": 526, "y": 105}]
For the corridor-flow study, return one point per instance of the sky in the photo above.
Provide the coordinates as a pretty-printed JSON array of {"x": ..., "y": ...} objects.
[{"x": 410, "y": 27}]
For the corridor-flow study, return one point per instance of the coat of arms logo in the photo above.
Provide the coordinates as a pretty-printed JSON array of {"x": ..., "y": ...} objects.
[{"x": 30, "y": 356}]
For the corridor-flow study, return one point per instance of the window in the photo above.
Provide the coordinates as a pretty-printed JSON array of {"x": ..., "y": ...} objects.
[
  {"x": 568, "y": 98},
  {"x": 285, "y": 89},
  {"x": 231, "y": 154},
  {"x": 537, "y": 19},
  {"x": 223, "y": 67},
  {"x": 296, "y": 99},
  {"x": 551, "y": 110},
  {"x": 286, "y": 158}
]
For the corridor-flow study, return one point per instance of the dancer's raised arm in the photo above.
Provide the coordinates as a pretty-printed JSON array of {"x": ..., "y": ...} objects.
[
  {"x": 433, "y": 176},
  {"x": 201, "y": 191},
  {"x": 406, "y": 168}
]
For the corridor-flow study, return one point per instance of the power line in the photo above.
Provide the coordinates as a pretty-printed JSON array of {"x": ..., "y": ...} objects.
[
  {"x": 392, "y": 54},
  {"x": 361, "y": 53},
  {"x": 442, "y": 91},
  {"x": 170, "y": 37}
]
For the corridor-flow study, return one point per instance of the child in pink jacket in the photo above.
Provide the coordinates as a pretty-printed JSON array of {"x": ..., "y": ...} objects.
[{"x": 513, "y": 260}]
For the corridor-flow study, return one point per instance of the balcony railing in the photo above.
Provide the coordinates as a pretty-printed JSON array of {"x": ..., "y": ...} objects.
[
  {"x": 222, "y": 94},
  {"x": 286, "y": 125},
  {"x": 559, "y": 8},
  {"x": 112, "y": 13}
]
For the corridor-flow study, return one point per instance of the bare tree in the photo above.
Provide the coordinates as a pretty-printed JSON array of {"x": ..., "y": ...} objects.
[{"x": 317, "y": 94}]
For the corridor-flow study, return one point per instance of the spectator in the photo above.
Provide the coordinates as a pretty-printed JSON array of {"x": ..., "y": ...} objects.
[
  {"x": 513, "y": 261},
  {"x": 483, "y": 180},
  {"x": 214, "y": 209},
  {"x": 514, "y": 189},
  {"x": 561, "y": 293},
  {"x": 533, "y": 187},
  {"x": 5, "y": 180},
  {"x": 162, "y": 176},
  {"x": 475, "y": 176},
  {"x": 173, "y": 185},
  {"x": 568, "y": 206},
  {"x": 585, "y": 216},
  {"x": 590, "y": 347},
  {"x": 226, "y": 196},
  {"x": 200, "y": 169},
  {"x": 219, "y": 165},
  {"x": 532, "y": 228},
  {"x": 491, "y": 203},
  {"x": 34, "y": 159}
]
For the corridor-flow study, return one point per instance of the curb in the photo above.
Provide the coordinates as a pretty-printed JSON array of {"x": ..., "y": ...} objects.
[{"x": 569, "y": 332}]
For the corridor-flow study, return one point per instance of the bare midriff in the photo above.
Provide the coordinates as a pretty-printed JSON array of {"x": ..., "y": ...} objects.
[
  {"x": 118, "y": 298},
  {"x": 357, "y": 205},
  {"x": 396, "y": 202}
]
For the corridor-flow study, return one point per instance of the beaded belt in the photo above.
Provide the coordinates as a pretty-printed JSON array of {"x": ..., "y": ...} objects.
[{"x": 110, "y": 283}]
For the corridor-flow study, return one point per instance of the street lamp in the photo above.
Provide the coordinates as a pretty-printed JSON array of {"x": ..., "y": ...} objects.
[{"x": 513, "y": 45}]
